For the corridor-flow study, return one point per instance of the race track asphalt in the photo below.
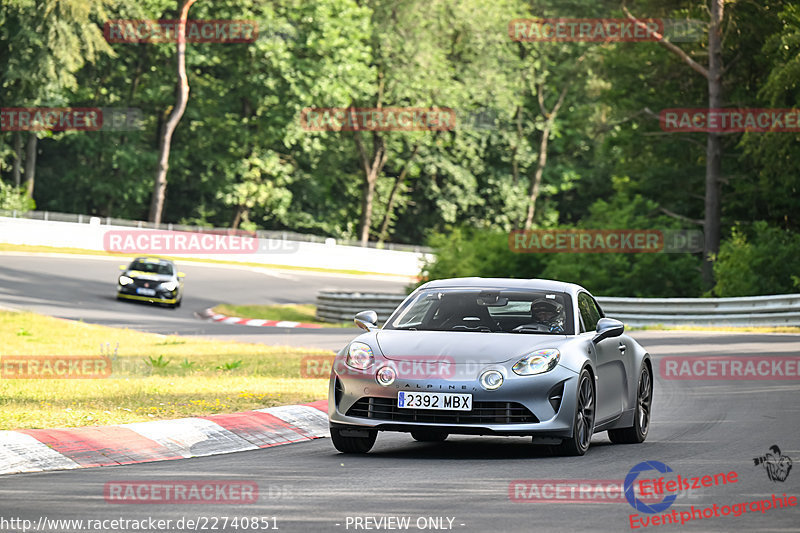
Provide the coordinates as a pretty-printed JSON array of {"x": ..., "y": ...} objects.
[
  {"x": 699, "y": 427},
  {"x": 83, "y": 288}
]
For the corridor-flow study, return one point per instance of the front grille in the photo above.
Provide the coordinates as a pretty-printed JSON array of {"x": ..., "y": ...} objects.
[{"x": 482, "y": 413}]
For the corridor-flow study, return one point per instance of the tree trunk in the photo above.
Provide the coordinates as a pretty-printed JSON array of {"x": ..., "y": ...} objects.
[
  {"x": 15, "y": 172},
  {"x": 30, "y": 164},
  {"x": 390, "y": 203},
  {"x": 536, "y": 182},
  {"x": 367, "y": 196},
  {"x": 160, "y": 184},
  {"x": 712, "y": 218},
  {"x": 541, "y": 162},
  {"x": 713, "y": 75},
  {"x": 372, "y": 169},
  {"x": 515, "y": 150},
  {"x": 237, "y": 218}
]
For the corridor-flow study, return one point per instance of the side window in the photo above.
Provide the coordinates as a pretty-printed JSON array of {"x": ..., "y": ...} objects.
[{"x": 589, "y": 311}]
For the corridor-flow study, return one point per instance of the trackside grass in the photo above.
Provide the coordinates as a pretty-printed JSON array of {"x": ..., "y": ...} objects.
[
  {"x": 153, "y": 376},
  {"x": 293, "y": 312}
]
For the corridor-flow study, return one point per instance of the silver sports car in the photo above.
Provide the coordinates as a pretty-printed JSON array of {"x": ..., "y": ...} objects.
[{"x": 484, "y": 356}]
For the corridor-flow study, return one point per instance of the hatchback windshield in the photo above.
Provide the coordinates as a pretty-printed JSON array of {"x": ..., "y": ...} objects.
[
  {"x": 152, "y": 267},
  {"x": 487, "y": 310}
]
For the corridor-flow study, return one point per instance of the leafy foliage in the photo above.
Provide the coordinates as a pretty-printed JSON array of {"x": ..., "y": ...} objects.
[
  {"x": 240, "y": 156},
  {"x": 758, "y": 259}
]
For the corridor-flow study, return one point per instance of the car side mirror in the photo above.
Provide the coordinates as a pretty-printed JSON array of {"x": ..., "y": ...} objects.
[
  {"x": 367, "y": 320},
  {"x": 122, "y": 267},
  {"x": 181, "y": 275},
  {"x": 608, "y": 327}
]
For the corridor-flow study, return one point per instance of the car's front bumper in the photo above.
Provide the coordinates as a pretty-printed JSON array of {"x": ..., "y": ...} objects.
[
  {"x": 162, "y": 297},
  {"x": 355, "y": 399}
]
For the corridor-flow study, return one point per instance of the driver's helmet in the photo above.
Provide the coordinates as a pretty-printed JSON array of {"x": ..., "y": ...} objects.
[{"x": 545, "y": 312}]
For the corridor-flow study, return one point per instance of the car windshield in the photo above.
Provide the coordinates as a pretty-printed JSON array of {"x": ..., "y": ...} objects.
[
  {"x": 487, "y": 310},
  {"x": 151, "y": 267}
]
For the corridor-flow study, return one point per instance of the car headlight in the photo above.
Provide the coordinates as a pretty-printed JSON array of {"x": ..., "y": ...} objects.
[
  {"x": 386, "y": 376},
  {"x": 169, "y": 285},
  {"x": 359, "y": 356},
  {"x": 125, "y": 280},
  {"x": 491, "y": 380},
  {"x": 537, "y": 362}
]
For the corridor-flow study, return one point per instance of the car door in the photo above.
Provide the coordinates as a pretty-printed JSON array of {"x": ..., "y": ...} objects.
[{"x": 609, "y": 365}]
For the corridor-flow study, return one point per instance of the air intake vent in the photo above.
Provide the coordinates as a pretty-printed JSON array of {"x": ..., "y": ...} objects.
[{"x": 482, "y": 413}]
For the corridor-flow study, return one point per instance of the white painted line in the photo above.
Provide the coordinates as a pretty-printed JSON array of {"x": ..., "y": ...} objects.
[
  {"x": 311, "y": 421},
  {"x": 287, "y": 324},
  {"x": 191, "y": 437},
  {"x": 19, "y": 452}
]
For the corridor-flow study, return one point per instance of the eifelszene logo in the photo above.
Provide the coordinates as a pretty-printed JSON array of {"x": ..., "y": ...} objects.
[{"x": 775, "y": 463}]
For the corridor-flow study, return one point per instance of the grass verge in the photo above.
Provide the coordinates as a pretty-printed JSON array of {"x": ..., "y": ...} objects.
[
  {"x": 292, "y": 312},
  {"x": 153, "y": 376}
]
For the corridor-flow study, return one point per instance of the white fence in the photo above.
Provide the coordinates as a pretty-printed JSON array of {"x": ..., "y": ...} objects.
[
  {"x": 777, "y": 310},
  {"x": 88, "y": 233}
]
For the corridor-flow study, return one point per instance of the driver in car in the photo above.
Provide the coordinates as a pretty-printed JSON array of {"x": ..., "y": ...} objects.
[{"x": 547, "y": 314}]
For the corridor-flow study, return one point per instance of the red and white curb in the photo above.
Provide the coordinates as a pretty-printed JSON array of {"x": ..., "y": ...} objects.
[
  {"x": 37, "y": 450},
  {"x": 224, "y": 319}
]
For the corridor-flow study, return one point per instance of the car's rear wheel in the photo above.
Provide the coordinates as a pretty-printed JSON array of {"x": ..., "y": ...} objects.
[
  {"x": 641, "y": 424},
  {"x": 429, "y": 436},
  {"x": 352, "y": 444},
  {"x": 583, "y": 424}
]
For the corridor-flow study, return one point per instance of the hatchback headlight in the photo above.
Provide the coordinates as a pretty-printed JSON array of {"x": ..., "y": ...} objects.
[
  {"x": 125, "y": 280},
  {"x": 537, "y": 362},
  {"x": 169, "y": 286},
  {"x": 359, "y": 356}
]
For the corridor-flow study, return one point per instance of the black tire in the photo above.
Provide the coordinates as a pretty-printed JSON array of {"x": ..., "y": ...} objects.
[
  {"x": 352, "y": 444},
  {"x": 583, "y": 423},
  {"x": 429, "y": 436},
  {"x": 641, "y": 423},
  {"x": 178, "y": 303}
]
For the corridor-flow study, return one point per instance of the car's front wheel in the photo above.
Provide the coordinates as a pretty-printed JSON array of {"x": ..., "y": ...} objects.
[
  {"x": 641, "y": 424},
  {"x": 429, "y": 436},
  {"x": 353, "y": 444},
  {"x": 583, "y": 425}
]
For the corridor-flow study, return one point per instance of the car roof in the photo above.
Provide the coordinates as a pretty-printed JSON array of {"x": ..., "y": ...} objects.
[{"x": 503, "y": 283}]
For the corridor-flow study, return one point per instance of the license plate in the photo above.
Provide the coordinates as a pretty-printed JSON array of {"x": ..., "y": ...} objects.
[
  {"x": 434, "y": 400},
  {"x": 146, "y": 292}
]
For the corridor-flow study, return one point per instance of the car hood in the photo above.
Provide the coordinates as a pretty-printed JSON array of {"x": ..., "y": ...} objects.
[
  {"x": 138, "y": 274},
  {"x": 461, "y": 346}
]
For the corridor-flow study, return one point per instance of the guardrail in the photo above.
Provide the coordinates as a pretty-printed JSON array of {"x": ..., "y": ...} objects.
[{"x": 775, "y": 310}]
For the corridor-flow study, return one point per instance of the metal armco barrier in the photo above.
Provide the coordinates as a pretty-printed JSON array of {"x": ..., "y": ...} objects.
[{"x": 776, "y": 310}]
